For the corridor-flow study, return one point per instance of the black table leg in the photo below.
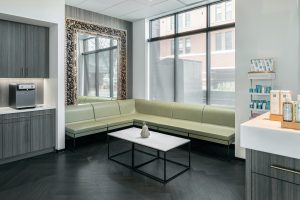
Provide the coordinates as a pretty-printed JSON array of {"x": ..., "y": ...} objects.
[
  {"x": 108, "y": 146},
  {"x": 189, "y": 154},
  {"x": 132, "y": 154},
  {"x": 165, "y": 167}
]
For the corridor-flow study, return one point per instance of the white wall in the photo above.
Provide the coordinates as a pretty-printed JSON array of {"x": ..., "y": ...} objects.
[
  {"x": 49, "y": 13},
  {"x": 140, "y": 57},
  {"x": 265, "y": 28}
]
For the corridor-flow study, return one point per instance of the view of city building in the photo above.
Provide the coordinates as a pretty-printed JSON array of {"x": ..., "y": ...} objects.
[{"x": 180, "y": 66}]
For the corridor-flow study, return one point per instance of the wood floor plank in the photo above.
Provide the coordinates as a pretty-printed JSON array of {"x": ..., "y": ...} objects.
[{"x": 87, "y": 174}]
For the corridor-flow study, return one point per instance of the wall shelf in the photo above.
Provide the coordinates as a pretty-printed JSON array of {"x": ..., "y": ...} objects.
[
  {"x": 262, "y": 75},
  {"x": 264, "y": 79},
  {"x": 259, "y": 94}
]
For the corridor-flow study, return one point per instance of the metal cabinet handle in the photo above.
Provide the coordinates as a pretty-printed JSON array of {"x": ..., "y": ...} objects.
[{"x": 284, "y": 169}]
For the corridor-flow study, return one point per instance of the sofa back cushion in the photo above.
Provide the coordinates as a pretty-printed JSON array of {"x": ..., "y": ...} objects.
[
  {"x": 81, "y": 100},
  {"x": 92, "y": 99},
  {"x": 190, "y": 112},
  {"x": 219, "y": 116},
  {"x": 158, "y": 108},
  {"x": 127, "y": 106},
  {"x": 76, "y": 113},
  {"x": 106, "y": 109}
]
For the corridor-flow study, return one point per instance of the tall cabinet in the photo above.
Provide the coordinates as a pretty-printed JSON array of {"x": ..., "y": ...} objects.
[{"x": 24, "y": 50}]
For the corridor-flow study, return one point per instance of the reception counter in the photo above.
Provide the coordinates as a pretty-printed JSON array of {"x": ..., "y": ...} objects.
[{"x": 272, "y": 160}]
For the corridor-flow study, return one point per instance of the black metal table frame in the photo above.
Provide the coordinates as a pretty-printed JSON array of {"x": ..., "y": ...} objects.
[{"x": 156, "y": 157}]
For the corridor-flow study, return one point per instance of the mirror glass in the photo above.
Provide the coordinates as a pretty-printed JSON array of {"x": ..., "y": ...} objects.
[{"x": 97, "y": 61}]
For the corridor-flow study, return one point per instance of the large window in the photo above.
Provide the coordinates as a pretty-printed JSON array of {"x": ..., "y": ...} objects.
[
  {"x": 196, "y": 62},
  {"x": 97, "y": 66}
]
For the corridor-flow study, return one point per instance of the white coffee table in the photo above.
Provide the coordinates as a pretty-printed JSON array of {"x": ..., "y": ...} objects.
[{"x": 157, "y": 141}]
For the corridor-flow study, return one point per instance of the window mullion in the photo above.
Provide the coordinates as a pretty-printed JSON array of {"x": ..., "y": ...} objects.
[
  {"x": 97, "y": 77},
  {"x": 208, "y": 56},
  {"x": 175, "y": 56},
  {"x": 111, "y": 71}
]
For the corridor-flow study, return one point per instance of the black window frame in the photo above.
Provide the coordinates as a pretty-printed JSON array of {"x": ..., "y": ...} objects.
[
  {"x": 96, "y": 52},
  {"x": 207, "y": 30}
]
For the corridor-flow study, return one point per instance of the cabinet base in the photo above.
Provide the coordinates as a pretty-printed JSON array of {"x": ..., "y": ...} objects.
[{"x": 27, "y": 155}]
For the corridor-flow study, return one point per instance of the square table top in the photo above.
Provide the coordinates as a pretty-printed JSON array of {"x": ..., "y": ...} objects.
[{"x": 158, "y": 141}]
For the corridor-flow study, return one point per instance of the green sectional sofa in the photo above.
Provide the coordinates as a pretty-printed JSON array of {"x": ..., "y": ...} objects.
[
  {"x": 210, "y": 123},
  {"x": 91, "y": 99}
]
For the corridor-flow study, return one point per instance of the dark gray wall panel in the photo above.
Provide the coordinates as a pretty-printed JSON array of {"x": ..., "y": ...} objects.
[{"x": 84, "y": 15}]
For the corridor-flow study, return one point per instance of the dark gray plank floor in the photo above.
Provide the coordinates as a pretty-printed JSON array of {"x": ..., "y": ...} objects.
[{"x": 87, "y": 174}]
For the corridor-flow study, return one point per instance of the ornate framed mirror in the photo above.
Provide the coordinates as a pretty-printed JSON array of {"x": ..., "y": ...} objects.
[{"x": 96, "y": 61}]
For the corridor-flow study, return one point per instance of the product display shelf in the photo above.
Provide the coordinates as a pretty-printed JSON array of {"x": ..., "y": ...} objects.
[
  {"x": 260, "y": 94},
  {"x": 264, "y": 79}
]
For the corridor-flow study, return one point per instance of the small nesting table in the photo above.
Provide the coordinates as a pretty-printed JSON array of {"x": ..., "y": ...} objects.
[{"x": 157, "y": 141}]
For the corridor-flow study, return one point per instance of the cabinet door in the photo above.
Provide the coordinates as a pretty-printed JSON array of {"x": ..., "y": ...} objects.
[
  {"x": 12, "y": 48},
  {"x": 37, "y": 52},
  {"x": 42, "y": 130},
  {"x": 16, "y": 138},
  {"x": 4, "y": 45},
  {"x": 267, "y": 188},
  {"x": 1, "y": 138}
]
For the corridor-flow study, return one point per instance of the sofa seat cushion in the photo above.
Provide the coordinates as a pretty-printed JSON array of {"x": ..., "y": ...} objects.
[
  {"x": 213, "y": 131},
  {"x": 84, "y": 126},
  {"x": 203, "y": 129}
]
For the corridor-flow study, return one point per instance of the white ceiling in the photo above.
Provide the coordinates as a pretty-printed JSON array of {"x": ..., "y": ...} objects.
[{"x": 131, "y": 10}]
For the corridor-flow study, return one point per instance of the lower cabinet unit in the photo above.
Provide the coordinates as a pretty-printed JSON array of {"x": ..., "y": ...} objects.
[
  {"x": 26, "y": 134},
  {"x": 271, "y": 177},
  {"x": 42, "y": 124},
  {"x": 273, "y": 189},
  {"x": 1, "y": 139},
  {"x": 16, "y": 137}
]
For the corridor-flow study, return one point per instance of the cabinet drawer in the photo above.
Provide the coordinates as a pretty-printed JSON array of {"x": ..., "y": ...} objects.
[
  {"x": 267, "y": 188},
  {"x": 43, "y": 112},
  {"x": 8, "y": 118},
  {"x": 280, "y": 167}
]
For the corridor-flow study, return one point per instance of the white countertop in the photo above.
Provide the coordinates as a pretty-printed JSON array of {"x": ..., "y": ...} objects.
[
  {"x": 156, "y": 140},
  {"x": 9, "y": 110},
  {"x": 262, "y": 134}
]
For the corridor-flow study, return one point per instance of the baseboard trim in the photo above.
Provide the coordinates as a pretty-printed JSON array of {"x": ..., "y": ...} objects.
[{"x": 27, "y": 155}]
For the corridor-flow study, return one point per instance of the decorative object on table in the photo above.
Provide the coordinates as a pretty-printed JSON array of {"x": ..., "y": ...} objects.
[
  {"x": 145, "y": 131},
  {"x": 261, "y": 84},
  {"x": 262, "y": 65}
]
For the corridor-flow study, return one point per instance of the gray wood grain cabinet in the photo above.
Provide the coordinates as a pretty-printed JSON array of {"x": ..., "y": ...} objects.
[
  {"x": 12, "y": 47},
  {"x": 42, "y": 124},
  {"x": 271, "y": 177},
  {"x": 16, "y": 138},
  {"x": 24, "y": 50},
  {"x": 37, "y": 52},
  {"x": 1, "y": 138},
  {"x": 26, "y": 134}
]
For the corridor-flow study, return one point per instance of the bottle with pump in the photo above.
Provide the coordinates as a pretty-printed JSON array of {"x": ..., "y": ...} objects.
[
  {"x": 287, "y": 110},
  {"x": 297, "y": 110}
]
